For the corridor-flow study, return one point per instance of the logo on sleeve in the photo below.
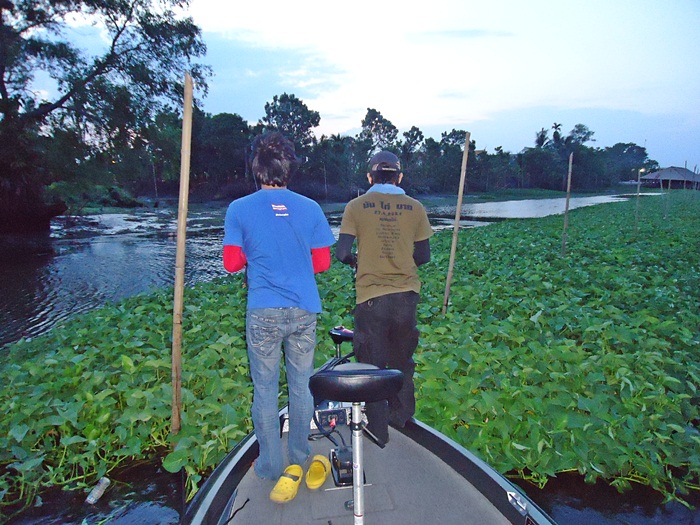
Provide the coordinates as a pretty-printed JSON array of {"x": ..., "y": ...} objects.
[{"x": 280, "y": 210}]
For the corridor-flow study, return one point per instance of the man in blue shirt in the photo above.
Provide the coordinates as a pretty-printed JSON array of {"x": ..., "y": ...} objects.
[{"x": 284, "y": 239}]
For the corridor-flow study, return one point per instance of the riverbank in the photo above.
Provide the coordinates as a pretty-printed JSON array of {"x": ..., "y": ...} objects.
[
  {"x": 542, "y": 364},
  {"x": 428, "y": 200}
]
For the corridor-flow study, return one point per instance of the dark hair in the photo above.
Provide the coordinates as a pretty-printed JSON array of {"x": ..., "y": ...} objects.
[
  {"x": 274, "y": 160},
  {"x": 381, "y": 176}
]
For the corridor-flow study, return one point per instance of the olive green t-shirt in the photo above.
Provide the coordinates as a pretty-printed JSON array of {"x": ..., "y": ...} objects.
[{"x": 385, "y": 226}]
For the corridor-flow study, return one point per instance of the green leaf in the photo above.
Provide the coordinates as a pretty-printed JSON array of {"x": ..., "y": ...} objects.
[
  {"x": 18, "y": 432},
  {"x": 176, "y": 460},
  {"x": 535, "y": 318}
]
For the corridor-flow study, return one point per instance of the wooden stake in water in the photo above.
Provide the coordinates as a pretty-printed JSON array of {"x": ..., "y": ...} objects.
[
  {"x": 458, "y": 215},
  {"x": 566, "y": 209},
  {"x": 636, "y": 210},
  {"x": 180, "y": 256}
]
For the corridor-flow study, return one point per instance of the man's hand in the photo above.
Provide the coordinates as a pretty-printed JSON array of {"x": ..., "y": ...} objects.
[{"x": 343, "y": 250}]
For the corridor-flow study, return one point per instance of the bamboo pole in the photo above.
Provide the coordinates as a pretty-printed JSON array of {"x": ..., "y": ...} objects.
[
  {"x": 566, "y": 209},
  {"x": 636, "y": 209},
  {"x": 458, "y": 214},
  {"x": 180, "y": 256}
]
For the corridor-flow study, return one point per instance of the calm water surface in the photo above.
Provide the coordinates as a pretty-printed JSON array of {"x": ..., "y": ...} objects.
[
  {"x": 83, "y": 265},
  {"x": 101, "y": 258}
]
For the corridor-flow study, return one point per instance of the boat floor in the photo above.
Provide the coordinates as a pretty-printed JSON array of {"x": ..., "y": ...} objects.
[{"x": 405, "y": 484}]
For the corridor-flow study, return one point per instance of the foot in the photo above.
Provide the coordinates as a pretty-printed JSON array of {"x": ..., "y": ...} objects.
[
  {"x": 397, "y": 423},
  {"x": 287, "y": 486}
]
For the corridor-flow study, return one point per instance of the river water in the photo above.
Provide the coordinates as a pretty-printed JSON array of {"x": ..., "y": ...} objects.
[{"x": 84, "y": 263}]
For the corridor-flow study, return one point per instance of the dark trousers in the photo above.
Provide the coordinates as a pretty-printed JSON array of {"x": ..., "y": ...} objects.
[{"x": 386, "y": 336}]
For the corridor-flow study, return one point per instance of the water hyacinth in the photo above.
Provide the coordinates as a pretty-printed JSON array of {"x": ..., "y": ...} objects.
[{"x": 542, "y": 363}]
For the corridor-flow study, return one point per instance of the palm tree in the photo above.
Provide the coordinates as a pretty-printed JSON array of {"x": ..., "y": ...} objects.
[
  {"x": 541, "y": 138},
  {"x": 556, "y": 135}
]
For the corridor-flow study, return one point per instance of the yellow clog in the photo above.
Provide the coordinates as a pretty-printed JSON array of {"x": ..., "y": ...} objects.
[
  {"x": 318, "y": 472},
  {"x": 287, "y": 486}
]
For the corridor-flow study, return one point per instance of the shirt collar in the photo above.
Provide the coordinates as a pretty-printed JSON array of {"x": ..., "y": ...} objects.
[{"x": 386, "y": 188}]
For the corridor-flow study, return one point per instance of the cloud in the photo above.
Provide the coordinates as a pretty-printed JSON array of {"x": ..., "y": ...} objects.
[
  {"x": 462, "y": 63},
  {"x": 504, "y": 68}
]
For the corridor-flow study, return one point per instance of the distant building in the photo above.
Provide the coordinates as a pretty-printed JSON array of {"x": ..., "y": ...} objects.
[{"x": 673, "y": 177}]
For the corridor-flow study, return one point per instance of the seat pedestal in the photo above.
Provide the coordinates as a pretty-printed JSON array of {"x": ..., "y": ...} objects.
[{"x": 356, "y": 383}]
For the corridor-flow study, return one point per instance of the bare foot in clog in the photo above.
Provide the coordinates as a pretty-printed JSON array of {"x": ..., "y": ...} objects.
[{"x": 287, "y": 486}]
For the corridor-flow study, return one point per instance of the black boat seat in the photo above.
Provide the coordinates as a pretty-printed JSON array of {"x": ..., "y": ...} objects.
[
  {"x": 356, "y": 383},
  {"x": 340, "y": 334}
]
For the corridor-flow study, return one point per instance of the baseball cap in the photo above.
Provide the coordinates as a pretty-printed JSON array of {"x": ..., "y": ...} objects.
[{"x": 384, "y": 161}]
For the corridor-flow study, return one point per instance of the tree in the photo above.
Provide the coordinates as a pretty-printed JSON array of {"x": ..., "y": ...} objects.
[
  {"x": 109, "y": 94},
  {"x": 290, "y": 116},
  {"x": 219, "y": 148},
  {"x": 556, "y": 133},
  {"x": 588, "y": 170},
  {"x": 162, "y": 139},
  {"x": 580, "y": 135},
  {"x": 409, "y": 148},
  {"x": 542, "y": 167},
  {"x": 541, "y": 138},
  {"x": 546, "y": 163},
  {"x": 494, "y": 172},
  {"x": 413, "y": 138},
  {"x": 624, "y": 160},
  {"x": 452, "y": 146},
  {"x": 331, "y": 169},
  {"x": 590, "y": 174},
  {"x": 377, "y": 132},
  {"x": 428, "y": 168}
]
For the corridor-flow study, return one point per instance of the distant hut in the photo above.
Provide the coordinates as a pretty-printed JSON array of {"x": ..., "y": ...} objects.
[{"x": 673, "y": 177}]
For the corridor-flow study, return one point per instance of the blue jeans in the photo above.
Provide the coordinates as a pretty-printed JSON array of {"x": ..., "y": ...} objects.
[{"x": 266, "y": 331}]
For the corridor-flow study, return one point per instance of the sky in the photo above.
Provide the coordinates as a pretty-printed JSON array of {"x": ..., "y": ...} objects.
[
  {"x": 500, "y": 69},
  {"x": 629, "y": 70}
]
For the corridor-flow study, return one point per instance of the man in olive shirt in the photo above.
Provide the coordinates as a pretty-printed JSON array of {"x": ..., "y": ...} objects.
[{"x": 392, "y": 232}]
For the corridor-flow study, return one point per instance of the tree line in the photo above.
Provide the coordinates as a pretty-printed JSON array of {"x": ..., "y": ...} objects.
[
  {"x": 334, "y": 167},
  {"x": 113, "y": 131}
]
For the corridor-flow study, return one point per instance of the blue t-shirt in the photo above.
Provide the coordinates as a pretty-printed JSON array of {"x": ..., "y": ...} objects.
[{"x": 277, "y": 229}]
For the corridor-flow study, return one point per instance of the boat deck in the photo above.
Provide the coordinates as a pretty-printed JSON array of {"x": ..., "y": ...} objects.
[{"x": 405, "y": 484}]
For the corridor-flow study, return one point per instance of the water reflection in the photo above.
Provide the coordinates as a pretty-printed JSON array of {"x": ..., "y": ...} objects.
[
  {"x": 105, "y": 258},
  {"x": 143, "y": 493},
  {"x": 524, "y": 209},
  {"x": 101, "y": 259}
]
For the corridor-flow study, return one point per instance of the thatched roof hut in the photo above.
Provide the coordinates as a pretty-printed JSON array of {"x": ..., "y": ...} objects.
[{"x": 673, "y": 177}]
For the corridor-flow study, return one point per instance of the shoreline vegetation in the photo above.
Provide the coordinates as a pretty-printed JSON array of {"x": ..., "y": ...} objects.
[
  {"x": 330, "y": 207},
  {"x": 543, "y": 364}
]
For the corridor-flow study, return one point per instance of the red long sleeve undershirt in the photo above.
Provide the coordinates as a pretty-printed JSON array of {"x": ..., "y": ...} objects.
[
  {"x": 235, "y": 259},
  {"x": 321, "y": 259}
]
